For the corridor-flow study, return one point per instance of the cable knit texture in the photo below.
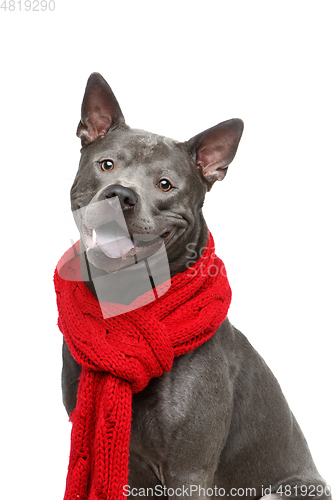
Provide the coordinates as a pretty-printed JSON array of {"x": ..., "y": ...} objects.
[{"x": 120, "y": 355}]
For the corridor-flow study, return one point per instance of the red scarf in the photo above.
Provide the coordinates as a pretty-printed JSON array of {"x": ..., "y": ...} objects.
[{"x": 120, "y": 355}]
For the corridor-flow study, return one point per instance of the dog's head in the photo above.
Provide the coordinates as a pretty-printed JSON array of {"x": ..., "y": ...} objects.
[{"x": 135, "y": 190}]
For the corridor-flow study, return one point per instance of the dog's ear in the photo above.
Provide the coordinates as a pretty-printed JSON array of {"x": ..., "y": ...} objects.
[
  {"x": 214, "y": 149},
  {"x": 99, "y": 112}
]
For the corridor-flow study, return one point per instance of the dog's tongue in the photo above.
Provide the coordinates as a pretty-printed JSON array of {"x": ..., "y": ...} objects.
[{"x": 113, "y": 240}]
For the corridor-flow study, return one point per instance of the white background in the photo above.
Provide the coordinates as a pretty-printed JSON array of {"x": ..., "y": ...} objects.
[{"x": 177, "y": 68}]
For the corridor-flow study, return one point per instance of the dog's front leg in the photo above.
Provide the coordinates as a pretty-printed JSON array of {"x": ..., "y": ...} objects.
[
  {"x": 193, "y": 475},
  {"x": 194, "y": 486}
]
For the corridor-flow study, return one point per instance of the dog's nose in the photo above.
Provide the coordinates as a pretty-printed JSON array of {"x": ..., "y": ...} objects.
[{"x": 127, "y": 197}]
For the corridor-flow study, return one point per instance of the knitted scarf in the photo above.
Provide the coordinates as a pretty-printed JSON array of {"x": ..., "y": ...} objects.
[{"x": 120, "y": 355}]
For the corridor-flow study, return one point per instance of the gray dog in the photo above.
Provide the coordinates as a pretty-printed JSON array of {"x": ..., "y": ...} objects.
[{"x": 217, "y": 424}]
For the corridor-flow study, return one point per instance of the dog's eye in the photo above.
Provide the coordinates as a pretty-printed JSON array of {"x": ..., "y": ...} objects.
[
  {"x": 164, "y": 185},
  {"x": 106, "y": 165}
]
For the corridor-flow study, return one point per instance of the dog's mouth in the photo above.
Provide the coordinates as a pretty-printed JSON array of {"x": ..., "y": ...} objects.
[
  {"x": 112, "y": 240},
  {"x": 111, "y": 247}
]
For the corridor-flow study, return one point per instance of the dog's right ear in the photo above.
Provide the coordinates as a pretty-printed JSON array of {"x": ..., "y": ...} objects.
[{"x": 99, "y": 112}]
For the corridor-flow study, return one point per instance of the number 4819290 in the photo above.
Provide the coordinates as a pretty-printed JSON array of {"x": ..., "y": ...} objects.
[{"x": 32, "y": 5}]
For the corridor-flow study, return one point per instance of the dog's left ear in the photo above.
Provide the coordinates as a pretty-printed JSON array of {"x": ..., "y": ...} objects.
[
  {"x": 100, "y": 110},
  {"x": 214, "y": 149}
]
